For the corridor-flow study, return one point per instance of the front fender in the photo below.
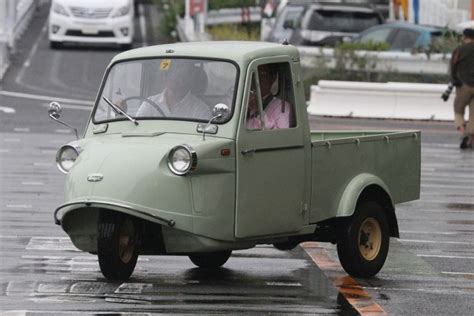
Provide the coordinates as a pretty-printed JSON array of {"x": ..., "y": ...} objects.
[{"x": 353, "y": 190}]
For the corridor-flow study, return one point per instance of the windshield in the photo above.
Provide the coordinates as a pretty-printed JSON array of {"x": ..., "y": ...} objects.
[
  {"x": 342, "y": 21},
  {"x": 182, "y": 89}
]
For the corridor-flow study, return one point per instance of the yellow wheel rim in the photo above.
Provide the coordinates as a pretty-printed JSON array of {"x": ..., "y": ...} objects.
[
  {"x": 370, "y": 239},
  {"x": 126, "y": 241}
]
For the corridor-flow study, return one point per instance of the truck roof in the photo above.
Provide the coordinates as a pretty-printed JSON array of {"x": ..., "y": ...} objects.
[{"x": 238, "y": 51}]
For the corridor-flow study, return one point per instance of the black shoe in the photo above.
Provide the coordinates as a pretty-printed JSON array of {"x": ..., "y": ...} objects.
[{"x": 464, "y": 142}]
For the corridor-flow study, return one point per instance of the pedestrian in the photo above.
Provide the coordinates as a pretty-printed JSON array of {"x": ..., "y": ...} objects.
[{"x": 462, "y": 77}]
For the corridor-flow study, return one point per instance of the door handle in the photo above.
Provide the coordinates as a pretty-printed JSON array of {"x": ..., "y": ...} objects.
[{"x": 247, "y": 151}]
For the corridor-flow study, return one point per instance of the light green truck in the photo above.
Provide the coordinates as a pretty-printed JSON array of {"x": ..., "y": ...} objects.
[{"x": 170, "y": 165}]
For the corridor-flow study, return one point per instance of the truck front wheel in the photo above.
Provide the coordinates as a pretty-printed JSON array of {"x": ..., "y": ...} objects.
[
  {"x": 210, "y": 259},
  {"x": 117, "y": 245},
  {"x": 363, "y": 243}
]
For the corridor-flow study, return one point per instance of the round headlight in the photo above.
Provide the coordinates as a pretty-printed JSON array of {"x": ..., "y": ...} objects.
[
  {"x": 182, "y": 159},
  {"x": 66, "y": 157}
]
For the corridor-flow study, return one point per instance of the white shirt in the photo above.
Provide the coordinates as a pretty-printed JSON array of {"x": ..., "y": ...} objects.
[{"x": 189, "y": 107}]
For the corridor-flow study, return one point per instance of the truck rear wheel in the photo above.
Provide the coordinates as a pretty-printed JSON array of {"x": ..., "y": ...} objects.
[
  {"x": 210, "y": 259},
  {"x": 117, "y": 245},
  {"x": 363, "y": 243}
]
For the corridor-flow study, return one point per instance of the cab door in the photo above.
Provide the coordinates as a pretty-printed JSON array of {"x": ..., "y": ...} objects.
[{"x": 270, "y": 163}]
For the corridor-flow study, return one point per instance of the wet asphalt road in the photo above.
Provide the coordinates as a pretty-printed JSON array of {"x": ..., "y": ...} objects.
[{"x": 429, "y": 271}]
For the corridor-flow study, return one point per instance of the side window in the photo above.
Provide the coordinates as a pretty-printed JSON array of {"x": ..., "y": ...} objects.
[
  {"x": 377, "y": 36},
  {"x": 276, "y": 97},
  {"x": 405, "y": 40}
]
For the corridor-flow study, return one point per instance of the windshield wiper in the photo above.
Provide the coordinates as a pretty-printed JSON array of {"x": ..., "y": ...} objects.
[{"x": 118, "y": 110}]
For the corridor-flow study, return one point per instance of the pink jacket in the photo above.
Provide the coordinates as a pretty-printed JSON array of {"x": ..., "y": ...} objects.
[{"x": 273, "y": 116}]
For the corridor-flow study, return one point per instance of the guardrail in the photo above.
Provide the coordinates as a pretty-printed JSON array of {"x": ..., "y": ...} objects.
[
  {"x": 15, "y": 16},
  {"x": 380, "y": 100},
  {"x": 403, "y": 62}
]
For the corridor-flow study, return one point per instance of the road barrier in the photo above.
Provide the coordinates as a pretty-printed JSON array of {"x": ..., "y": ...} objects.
[
  {"x": 15, "y": 16},
  {"x": 381, "y": 100},
  {"x": 402, "y": 62}
]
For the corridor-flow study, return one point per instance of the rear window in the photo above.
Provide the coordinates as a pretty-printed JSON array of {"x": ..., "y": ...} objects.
[{"x": 342, "y": 21}]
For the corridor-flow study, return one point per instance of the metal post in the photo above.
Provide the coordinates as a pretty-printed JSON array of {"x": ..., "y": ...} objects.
[{"x": 472, "y": 9}]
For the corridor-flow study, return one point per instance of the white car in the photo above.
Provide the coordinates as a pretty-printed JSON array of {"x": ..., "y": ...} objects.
[{"x": 91, "y": 21}]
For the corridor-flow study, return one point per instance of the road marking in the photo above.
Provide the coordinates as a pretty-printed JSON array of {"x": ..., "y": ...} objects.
[
  {"x": 296, "y": 284},
  {"x": 62, "y": 131},
  {"x": 353, "y": 293},
  {"x": 21, "y": 129},
  {"x": 141, "y": 11},
  {"x": 27, "y": 63},
  {"x": 7, "y": 110},
  {"x": 458, "y": 273},
  {"x": 42, "y": 164},
  {"x": 19, "y": 206},
  {"x": 32, "y": 183},
  {"x": 51, "y": 243},
  {"x": 44, "y": 97},
  {"x": 427, "y": 233},
  {"x": 446, "y": 256},
  {"x": 4, "y": 150},
  {"x": 11, "y": 140},
  {"x": 437, "y": 242}
]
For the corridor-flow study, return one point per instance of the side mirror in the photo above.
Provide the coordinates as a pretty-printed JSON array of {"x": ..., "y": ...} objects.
[
  {"x": 55, "y": 110},
  {"x": 220, "y": 112},
  {"x": 54, "y": 113}
]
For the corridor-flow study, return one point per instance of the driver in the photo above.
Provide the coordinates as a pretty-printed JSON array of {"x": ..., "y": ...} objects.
[{"x": 177, "y": 99}]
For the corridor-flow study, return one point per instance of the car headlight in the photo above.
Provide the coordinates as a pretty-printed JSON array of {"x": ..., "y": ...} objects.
[
  {"x": 121, "y": 11},
  {"x": 59, "y": 9},
  {"x": 66, "y": 156},
  {"x": 182, "y": 159}
]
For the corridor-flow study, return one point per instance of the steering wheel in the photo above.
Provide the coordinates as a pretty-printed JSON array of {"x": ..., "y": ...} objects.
[{"x": 142, "y": 99}]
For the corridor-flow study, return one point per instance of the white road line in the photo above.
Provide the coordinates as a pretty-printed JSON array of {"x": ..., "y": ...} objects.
[
  {"x": 427, "y": 233},
  {"x": 27, "y": 62},
  {"x": 446, "y": 256},
  {"x": 4, "y": 150},
  {"x": 19, "y": 206},
  {"x": 44, "y": 97},
  {"x": 21, "y": 129},
  {"x": 62, "y": 131},
  {"x": 11, "y": 140},
  {"x": 7, "y": 110},
  {"x": 141, "y": 11},
  {"x": 457, "y": 273},
  {"x": 436, "y": 242},
  {"x": 32, "y": 183},
  {"x": 42, "y": 164}
]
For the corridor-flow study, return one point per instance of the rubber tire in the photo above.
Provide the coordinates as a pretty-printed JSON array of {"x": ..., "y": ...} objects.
[
  {"x": 348, "y": 242},
  {"x": 111, "y": 265},
  {"x": 210, "y": 259},
  {"x": 55, "y": 45}
]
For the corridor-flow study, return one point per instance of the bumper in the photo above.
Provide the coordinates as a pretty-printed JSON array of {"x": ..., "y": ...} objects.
[{"x": 118, "y": 30}]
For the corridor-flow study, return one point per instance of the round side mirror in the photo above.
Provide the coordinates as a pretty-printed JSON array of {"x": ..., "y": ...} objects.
[
  {"x": 54, "y": 110},
  {"x": 221, "y": 112}
]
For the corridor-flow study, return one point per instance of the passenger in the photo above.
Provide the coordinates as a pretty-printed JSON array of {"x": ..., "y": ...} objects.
[
  {"x": 277, "y": 113},
  {"x": 177, "y": 99},
  {"x": 462, "y": 77}
]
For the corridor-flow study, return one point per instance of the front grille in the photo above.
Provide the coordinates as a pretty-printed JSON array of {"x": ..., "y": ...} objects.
[
  {"x": 99, "y": 34},
  {"x": 90, "y": 13}
]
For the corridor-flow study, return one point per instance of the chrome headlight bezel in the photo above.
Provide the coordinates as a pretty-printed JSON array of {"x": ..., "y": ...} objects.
[
  {"x": 191, "y": 158},
  {"x": 60, "y": 162}
]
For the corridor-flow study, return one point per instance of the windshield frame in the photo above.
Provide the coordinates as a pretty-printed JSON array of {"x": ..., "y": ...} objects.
[{"x": 120, "y": 119}]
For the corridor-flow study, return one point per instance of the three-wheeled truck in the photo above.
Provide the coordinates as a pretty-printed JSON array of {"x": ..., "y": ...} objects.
[{"x": 168, "y": 164}]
